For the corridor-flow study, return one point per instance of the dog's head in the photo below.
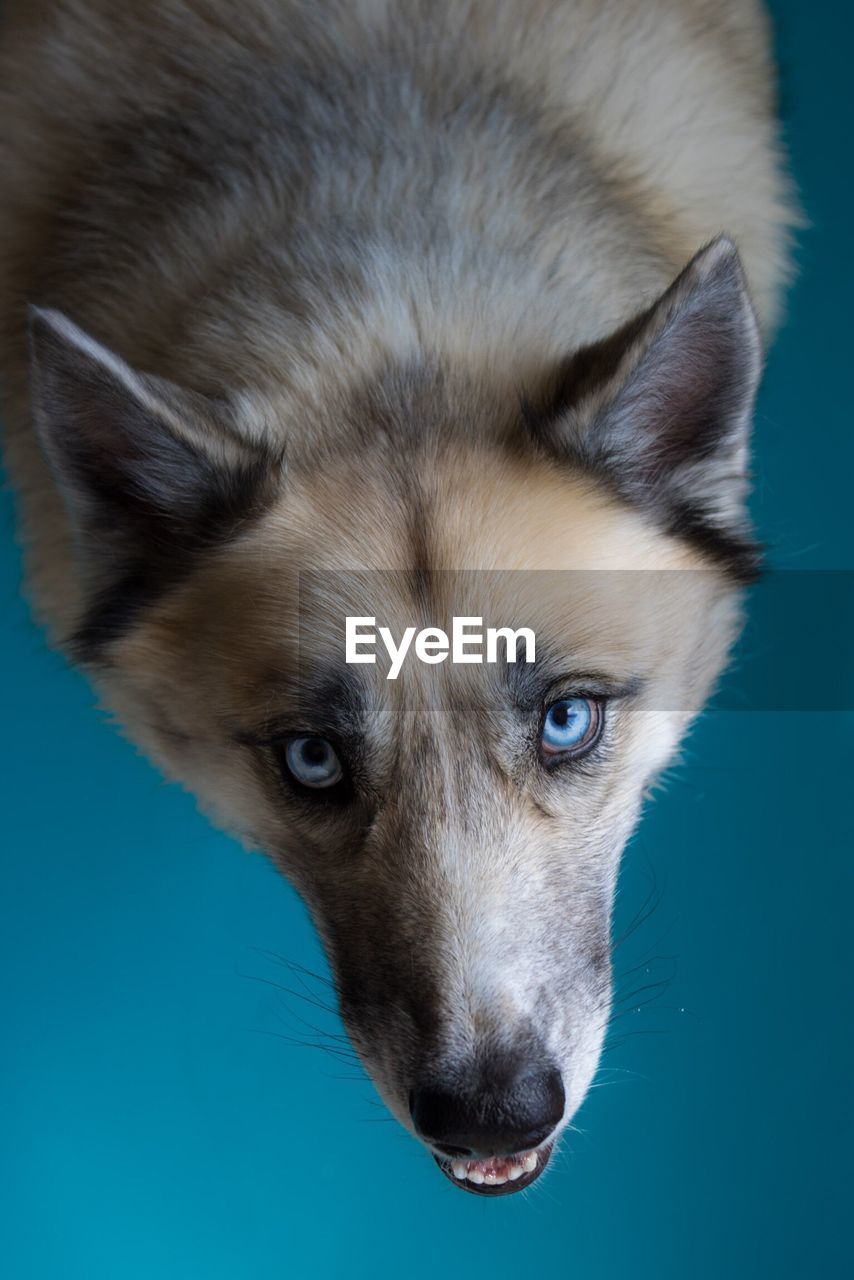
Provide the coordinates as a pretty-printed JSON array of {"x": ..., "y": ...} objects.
[{"x": 455, "y": 832}]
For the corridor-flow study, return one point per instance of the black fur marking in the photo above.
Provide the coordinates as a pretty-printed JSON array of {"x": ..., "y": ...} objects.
[
  {"x": 734, "y": 551},
  {"x": 112, "y": 613},
  {"x": 327, "y": 703},
  {"x": 741, "y": 557},
  {"x": 420, "y": 572},
  {"x": 139, "y": 581}
]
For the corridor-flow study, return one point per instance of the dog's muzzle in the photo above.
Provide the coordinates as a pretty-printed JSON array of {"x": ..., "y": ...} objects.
[{"x": 495, "y": 1138}]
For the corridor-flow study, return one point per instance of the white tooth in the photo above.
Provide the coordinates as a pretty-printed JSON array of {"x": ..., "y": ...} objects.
[
  {"x": 458, "y": 1168},
  {"x": 515, "y": 1172},
  {"x": 475, "y": 1175},
  {"x": 530, "y": 1162},
  {"x": 491, "y": 1179}
]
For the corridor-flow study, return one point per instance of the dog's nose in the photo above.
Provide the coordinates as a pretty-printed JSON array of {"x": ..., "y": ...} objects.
[{"x": 514, "y": 1110}]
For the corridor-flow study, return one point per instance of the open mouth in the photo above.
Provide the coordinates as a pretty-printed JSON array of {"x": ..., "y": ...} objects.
[{"x": 496, "y": 1175}]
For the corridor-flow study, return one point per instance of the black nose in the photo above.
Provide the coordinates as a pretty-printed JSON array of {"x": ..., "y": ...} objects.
[{"x": 514, "y": 1109}]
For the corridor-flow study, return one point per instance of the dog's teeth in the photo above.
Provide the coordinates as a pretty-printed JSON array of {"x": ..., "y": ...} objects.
[{"x": 505, "y": 1169}]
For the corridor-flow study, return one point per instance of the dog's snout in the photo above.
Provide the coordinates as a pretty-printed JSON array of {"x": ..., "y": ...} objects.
[{"x": 512, "y": 1110}]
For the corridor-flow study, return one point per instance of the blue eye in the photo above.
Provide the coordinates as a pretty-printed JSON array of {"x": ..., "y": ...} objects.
[
  {"x": 313, "y": 762},
  {"x": 571, "y": 726}
]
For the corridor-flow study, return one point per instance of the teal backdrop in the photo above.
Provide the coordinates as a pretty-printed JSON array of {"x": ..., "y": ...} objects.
[{"x": 162, "y": 1117}]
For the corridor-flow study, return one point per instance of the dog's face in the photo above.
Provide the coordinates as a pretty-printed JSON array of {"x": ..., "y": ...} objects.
[{"x": 456, "y": 832}]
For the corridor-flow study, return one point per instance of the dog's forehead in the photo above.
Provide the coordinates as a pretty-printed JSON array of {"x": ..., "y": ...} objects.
[
  {"x": 413, "y": 542},
  {"x": 513, "y": 540},
  {"x": 462, "y": 508}
]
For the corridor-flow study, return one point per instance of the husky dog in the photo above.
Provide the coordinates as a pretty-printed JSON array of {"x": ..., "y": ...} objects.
[{"x": 386, "y": 307}]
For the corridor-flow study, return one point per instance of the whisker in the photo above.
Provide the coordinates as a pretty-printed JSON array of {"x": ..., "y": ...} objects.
[
  {"x": 306, "y": 1044},
  {"x": 294, "y": 966},
  {"x": 309, "y": 999}
]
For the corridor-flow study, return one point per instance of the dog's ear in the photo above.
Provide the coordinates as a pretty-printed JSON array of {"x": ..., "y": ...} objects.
[
  {"x": 142, "y": 464},
  {"x": 150, "y": 474},
  {"x": 661, "y": 409}
]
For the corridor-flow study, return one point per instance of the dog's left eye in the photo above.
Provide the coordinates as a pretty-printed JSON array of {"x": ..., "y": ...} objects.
[
  {"x": 313, "y": 762},
  {"x": 570, "y": 728}
]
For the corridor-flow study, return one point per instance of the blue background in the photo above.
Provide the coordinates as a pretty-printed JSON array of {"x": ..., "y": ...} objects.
[{"x": 153, "y": 1122}]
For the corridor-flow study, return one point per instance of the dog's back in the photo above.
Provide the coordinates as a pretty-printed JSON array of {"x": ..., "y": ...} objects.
[
  {"x": 206, "y": 186},
  {"x": 536, "y": 125}
]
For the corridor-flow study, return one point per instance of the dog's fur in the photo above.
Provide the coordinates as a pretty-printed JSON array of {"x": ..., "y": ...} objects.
[{"x": 386, "y": 286}]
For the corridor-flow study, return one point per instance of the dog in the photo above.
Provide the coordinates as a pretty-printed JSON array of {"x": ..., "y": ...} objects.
[{"x": 405, "y": 309}]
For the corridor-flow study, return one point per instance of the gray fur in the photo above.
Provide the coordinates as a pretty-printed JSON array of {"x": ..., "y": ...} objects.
[{"x": 311, "y": 276}]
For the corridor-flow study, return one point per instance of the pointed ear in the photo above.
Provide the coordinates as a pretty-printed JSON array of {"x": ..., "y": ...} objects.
[
  {"x": 151, "y": 475},
  {"x": 661, "y": 410}
]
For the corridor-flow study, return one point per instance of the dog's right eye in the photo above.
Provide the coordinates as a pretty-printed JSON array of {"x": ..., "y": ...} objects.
[{"x": 313, "y": 762}]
